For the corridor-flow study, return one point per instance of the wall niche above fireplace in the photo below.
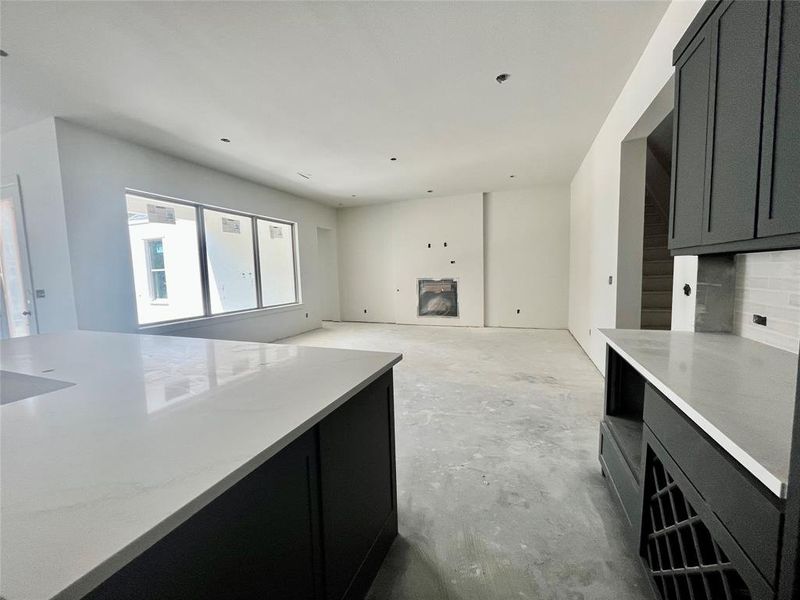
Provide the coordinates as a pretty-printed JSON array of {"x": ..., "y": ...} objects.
[{"x": 437, "y": 297}]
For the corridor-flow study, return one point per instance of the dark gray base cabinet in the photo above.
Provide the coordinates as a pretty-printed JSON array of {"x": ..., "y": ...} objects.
[
  {"x": 314, "y": 522},
  {"x": 704, "y": 528},
  {"x": 736, "y": 139}
]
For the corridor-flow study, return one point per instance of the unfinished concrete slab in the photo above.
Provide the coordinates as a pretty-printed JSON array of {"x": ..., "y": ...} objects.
[{"x": 499, "y": 488}]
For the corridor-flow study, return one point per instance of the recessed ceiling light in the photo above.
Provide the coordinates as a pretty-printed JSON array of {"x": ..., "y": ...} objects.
[
  {"x": 393, "y": 158},
  {"x": 3, "y": 53},
  {"x": 503, "y": 77},
  {"x": 226, "y": 140}
]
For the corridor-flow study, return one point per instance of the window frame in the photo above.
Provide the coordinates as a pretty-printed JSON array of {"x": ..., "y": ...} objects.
[{"x": 202, "y": 257}]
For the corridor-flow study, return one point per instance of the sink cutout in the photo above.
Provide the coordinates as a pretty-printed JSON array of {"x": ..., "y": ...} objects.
[{"x": 18, "y": 386}]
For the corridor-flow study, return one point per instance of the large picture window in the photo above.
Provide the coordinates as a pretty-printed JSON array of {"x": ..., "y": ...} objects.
[
  {"x": 231, "y": 262},
  {"x": 192, "y": 261},
  {"x": 164, "y": 253}
]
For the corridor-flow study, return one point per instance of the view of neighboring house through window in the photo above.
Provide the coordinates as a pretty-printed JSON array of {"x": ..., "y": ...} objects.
[
  {"x": 158, "y": 274},
  {"x": 231, "y": 262},
  {"x": 244, "y": 267},
  {"x": 164, "y": 253}
]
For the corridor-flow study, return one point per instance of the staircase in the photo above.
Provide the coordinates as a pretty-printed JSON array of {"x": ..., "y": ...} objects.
[{"x": 657, "y": 266}]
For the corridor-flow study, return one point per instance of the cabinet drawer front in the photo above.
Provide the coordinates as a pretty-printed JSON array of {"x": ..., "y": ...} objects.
[
  {"x": 750, "y": 515},
  {"x": 617, "y": 470}
]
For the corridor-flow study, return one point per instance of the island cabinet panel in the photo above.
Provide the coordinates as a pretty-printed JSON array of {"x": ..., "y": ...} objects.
[
  {"x": 359, "y": 501},
  {"x": 256, "y": 540},
  {"x": 739, "y": 34},
  {"x": 746, "y": 510},
  {"x": 689, "y": 140},
  {"x": 779, "y": 201},
  {"x": 313, "y": 522}
]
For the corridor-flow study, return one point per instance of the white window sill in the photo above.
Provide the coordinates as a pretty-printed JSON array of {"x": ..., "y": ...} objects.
[{"x": 183, "y": 325}]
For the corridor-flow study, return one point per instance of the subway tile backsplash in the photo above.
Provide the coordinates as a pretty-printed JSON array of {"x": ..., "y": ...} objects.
[{"x": 768, "y": 284}]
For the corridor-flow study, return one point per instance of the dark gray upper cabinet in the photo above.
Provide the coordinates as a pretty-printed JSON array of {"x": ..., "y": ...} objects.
[
  {"x": 736, "y": 174},
  {"x": 779, "y": 202},
  {"x": 689, "y": 140},
  {"x": 739, "y": 35}
]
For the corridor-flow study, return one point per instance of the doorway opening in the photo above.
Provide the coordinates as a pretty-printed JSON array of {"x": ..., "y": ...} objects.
[
  {"x": 17, "y": 314},
  {"x": 657, "y": 264},
  {"x": 328, "y": 275},
  {"x": 644, "y": 265}
]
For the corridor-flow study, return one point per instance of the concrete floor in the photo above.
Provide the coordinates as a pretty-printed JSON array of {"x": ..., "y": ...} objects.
[{"x": 499, "y": 488}]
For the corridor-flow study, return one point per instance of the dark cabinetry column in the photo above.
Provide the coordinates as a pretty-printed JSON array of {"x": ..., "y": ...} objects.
[
  {"x": 779, "y": 201},
  {"x": 739, "y": 34},
  {"x": 356, "y": 445},
  {"x": 689, "y": 141}
]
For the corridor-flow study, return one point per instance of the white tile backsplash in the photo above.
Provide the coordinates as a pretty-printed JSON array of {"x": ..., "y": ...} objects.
[{"x": 768, "y": 283}]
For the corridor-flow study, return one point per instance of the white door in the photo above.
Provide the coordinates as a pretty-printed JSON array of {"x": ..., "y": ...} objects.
[{"x": 17, "y": 314}]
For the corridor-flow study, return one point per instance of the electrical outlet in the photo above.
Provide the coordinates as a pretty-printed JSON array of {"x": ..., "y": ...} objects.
[{"x": 517, "y": 311}]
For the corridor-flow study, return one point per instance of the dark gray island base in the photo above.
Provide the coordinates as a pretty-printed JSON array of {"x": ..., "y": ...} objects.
[{"x": 313, "y": 522}]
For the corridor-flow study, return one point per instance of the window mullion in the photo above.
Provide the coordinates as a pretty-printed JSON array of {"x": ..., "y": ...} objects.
[
  {"x": 257, "y": 264},
  {"x": 201, "y": 241}
]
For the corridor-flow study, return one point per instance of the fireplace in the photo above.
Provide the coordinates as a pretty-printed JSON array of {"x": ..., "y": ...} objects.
[{"x": 437, "y": 298}]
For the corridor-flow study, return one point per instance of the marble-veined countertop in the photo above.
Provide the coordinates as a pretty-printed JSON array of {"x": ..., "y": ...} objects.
[
  {"x": 153, "y": 429},
  {"x": 739, "y": 392}
]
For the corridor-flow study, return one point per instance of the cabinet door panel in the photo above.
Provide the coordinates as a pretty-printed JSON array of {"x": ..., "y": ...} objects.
[
  {"x": 356, "y": 445},
  {"x": 735, "y": 137},
  {"x": 256, "y": 540},
  {"x": 779, "y": 202},
  {"x": 689, "y": 142}
]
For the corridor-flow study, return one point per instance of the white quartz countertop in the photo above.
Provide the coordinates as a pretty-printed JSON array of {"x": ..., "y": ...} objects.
[
  {"x": 154, "y": 428},
  {"x": 740, "y": 392}
]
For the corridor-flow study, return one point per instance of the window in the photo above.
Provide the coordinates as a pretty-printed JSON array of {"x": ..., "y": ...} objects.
[
  {"x": 276, "y": 262},
  {"x": 192, "y": 261},
  {"x": 158, "y": 274},
  {"x": 231, "y": 262},
  {"x": 164, "y": 252}
]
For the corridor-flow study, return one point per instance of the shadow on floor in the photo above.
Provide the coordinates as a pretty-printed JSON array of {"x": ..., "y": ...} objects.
[{"x": 409, "y": 573}]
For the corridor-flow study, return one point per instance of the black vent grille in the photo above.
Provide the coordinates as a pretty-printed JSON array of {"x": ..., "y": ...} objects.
[{"x": 685, "y": 561}]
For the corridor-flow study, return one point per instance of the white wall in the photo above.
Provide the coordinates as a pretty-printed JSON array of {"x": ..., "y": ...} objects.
[
  {"x": 527, "y": 257},
  {"x": 456, "y": 221},
  {"x": 366, "y": 264},
  {"x": 96, "y": 169},
  {"x": 508, "y": 250},
  {"x": 383, "y": 250},
  {"x": 633, "y": 155},
  {"x": 30, "y": 152},
  {"x": 594, "y": 200}
]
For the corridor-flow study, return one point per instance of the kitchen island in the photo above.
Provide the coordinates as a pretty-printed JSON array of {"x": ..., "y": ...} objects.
[{"x": 163, "y": 467}]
